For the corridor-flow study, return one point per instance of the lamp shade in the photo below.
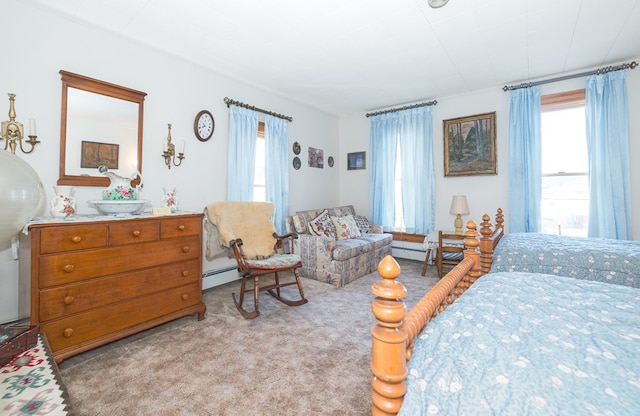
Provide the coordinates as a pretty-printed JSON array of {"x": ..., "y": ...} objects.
[{"x": 459, "y": 205}]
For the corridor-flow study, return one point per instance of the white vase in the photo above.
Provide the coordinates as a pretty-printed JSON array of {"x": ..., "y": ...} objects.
[
  {"x": 169, "y": 199},
  {"x": 63, "y": 205}
]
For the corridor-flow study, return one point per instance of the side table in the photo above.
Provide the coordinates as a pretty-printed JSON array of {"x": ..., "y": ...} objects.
[{"x": 431, "y": 242}]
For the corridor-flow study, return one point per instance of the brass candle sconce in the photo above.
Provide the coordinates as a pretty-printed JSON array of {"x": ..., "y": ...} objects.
[
  {"x": 169, "y": 152},
  {"x": 13, "y": 131}
]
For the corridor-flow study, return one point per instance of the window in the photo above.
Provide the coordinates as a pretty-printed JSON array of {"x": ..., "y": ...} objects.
[
  {"x": 259, "y": 181},
  {"x": 565, "y": 167},
  {"x": 398, "y": 220}
]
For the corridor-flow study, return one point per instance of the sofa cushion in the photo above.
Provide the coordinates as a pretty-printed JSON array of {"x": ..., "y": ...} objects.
[
  {"x": 377, "y": 240},
  {"x": 342, "y": 211},
  {"x": 322, "y": 225},
  {"x": 346, "y": 249},
  {"x": 363, "y": 224},
  {"x": 346, "y": 227}
]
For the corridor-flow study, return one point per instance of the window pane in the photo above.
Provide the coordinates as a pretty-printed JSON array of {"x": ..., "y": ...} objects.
[
  {"x": 564, "y": 143},
  {"x": 565, "y": 205},
  {"x": 398, "y": 222},
  {"x": 565, "y": 181},
  {"x": 259, "y": 190}
]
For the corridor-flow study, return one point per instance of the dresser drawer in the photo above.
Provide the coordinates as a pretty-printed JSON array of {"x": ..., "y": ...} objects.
[
  {"x": 70, "y": 238},
  {"x": 180, "y": 226},
  {"x": 79, "y": 297},
  {"x": 133, "y": 232},
  {"x": 97, "y": 323},
  {"x": 67, "y": 268}
]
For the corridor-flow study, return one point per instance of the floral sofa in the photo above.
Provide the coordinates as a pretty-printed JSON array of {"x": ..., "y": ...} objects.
[{"x": 336, "y": 245}]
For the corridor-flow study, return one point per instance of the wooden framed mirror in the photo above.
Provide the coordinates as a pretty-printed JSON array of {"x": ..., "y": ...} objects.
[{"x": 101, "y": 124}]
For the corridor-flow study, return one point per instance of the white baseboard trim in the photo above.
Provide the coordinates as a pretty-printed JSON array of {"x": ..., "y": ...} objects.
[
  {"x": 408, "y": 253},
  {"x": 214, "y": 278}
]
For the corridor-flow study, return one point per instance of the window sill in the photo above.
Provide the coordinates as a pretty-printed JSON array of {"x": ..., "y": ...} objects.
[{"x": 408, "y": 237}]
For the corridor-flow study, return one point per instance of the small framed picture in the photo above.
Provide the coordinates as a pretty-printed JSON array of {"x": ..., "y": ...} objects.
[{"x": 356, "y": 160}]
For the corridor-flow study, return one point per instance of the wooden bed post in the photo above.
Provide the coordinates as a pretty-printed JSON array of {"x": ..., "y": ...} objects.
[
  {"x": 471, "y": 244},
  {"x": 486, "y": 244},
  {"x": 389, "y": 343}
]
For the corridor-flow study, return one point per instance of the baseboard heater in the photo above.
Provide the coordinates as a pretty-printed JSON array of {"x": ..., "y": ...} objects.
[{"x": 218, "y": 271}]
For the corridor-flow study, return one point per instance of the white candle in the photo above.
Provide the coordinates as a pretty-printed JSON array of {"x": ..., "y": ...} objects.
[
  {"x": 182, "y": 147},
  {"x": 32, "y": 127}
]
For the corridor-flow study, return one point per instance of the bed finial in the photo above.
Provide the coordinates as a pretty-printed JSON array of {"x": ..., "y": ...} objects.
[
  {"x": 499, "y": 218},
  {"x": 387, "y": 341}
]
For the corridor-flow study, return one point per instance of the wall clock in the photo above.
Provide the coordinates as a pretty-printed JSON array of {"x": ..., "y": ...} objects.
[{"x": 204, "y": 125}]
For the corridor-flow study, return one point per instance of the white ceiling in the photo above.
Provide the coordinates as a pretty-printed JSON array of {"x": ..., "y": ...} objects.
[{"x": 349, "y": 56}]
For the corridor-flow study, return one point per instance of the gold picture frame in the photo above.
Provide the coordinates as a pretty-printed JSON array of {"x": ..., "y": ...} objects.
[{"x": 470, "y": 145}]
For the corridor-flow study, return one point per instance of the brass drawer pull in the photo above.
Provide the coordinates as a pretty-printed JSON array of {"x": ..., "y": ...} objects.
[
  {"x": 68, "y": 300},
  {"x": 181, "y": 227},
  {"x": 185, "y": 249},
  {"x": 68, "y": 268},
  {"x": 136, "y": 233},
  {"x": 67, "y": 332},
  {"x": 76, "y": 239},
  {"x": 185, "y": 297}
]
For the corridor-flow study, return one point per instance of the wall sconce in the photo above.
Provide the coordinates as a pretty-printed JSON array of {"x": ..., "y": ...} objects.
[
  {"x": 169, "y": 151},
  {"x": 458, "y": 208},
  {"x": 12, "y": 130}
]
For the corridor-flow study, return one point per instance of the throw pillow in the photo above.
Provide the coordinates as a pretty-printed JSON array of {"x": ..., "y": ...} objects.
[
  {"x": 322, "y": 225},
  {"x": 363, "y": 224},
  {"x": 345, "y": 227}
]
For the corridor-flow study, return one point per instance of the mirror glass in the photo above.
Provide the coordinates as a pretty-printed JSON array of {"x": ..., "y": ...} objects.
[{"x": 101, "y": 125}]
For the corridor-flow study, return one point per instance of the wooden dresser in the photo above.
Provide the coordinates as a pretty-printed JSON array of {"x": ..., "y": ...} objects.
[{"x": 92, "y": 282}]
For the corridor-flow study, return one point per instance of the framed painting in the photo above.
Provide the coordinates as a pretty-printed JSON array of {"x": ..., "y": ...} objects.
[
  {"x": 316, "y": 158},
  {"x": 95, "y": 154},
  {"x": 356, "y": 160},
  {"x": 470, "y": 145}
]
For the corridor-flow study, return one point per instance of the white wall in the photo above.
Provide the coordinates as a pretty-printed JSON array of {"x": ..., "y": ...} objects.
[
  {"x": 484, "y": 193},
  {"x": 43, "y": 43}
]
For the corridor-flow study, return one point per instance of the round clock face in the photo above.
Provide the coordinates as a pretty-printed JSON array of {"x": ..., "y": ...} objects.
[{"x": 204, "y": 125}]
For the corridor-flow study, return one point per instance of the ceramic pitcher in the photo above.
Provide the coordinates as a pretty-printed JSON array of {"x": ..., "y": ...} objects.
[
  {"x": 120, "y": 188},
  {"x": 170, "y": 199},
  {"x": 63, "y": 205}
]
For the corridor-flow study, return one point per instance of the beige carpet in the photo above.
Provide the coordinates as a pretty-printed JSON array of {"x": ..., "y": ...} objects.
[{"x": 306, "y": 360}]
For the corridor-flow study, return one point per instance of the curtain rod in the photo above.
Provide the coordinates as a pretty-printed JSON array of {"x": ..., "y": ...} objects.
[
  {"x": 600, "y": 71},
  {"x": 406, "y": 107},
  {"x": 229, "y": 101}
]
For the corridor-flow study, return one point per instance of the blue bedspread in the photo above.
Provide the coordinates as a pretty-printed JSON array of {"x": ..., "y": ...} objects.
[
  {"x": 599, "y": 259},
  {"x": 549, "y": 345}
]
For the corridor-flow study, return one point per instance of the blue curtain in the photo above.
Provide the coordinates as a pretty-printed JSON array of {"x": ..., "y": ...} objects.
[
  {"x": 412, "y": 129},
  {"x": 525, "y": 160},
  {"x": 607, "y": 120},
  {"x": 243, "y": 130},
  {"x": 276, "y": 139},
  {"x": 383, "y": 141},
  {"x": 416, "y": 158}
]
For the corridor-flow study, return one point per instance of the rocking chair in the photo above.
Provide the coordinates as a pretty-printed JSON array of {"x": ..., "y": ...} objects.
[{"x": 246, "y": 228}]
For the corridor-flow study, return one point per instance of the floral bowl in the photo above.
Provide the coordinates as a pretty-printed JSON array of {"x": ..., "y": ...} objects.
[{"x": 106, "y": 207}]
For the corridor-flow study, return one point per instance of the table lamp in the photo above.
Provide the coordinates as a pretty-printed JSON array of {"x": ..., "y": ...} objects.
[{"x": 458, "y": 208}]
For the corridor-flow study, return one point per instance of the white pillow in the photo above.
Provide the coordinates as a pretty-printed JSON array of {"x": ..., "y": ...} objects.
[{"x": 346, "y": 227}]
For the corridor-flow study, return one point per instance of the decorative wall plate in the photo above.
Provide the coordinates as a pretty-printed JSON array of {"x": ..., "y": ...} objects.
[
  {"x": 296, "y": 163},
  {"x": 296, "y": 148}
]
